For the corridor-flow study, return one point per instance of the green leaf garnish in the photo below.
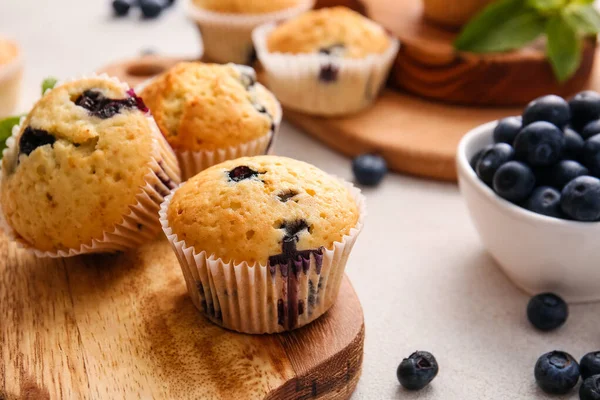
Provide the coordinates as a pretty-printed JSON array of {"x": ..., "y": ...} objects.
[
  {"x": 583, "y": 17},
  {"x": 48, "y": 83},
  {"x": 547, "y": 5},
  {"x": 564, "y": 48},
  {"x": 6, "y": 126}
]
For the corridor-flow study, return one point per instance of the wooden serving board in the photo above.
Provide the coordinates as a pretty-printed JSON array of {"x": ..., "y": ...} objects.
[{"x": 122, "y": 327}]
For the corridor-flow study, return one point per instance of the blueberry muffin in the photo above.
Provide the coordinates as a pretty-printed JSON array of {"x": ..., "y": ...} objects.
[
  {"x": 331, "y": 61},
  {"x": 11, "y": 74},
  {"x": 210, "y": 113},
  {"x": 270, "y": 238},
  {"x": 86, "y": 171},
  {"x": 226, "y": 25}
]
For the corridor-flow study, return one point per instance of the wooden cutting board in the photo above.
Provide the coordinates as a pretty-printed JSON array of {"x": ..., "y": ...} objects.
[{"x": 122, "y": 327}]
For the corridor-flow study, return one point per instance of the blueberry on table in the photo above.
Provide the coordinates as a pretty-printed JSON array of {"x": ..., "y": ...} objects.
[
  {"x": 369, "y": 169},
  {"x": 545, "y": 200},
  {"x": 514, "y": 181},
  {"x": 573, "y": 144},
  {"x": 477, "y": 156},
  {"x": 591, "y": 129},
  {"x": 585, "y": 107},
  {"x": 151, "y": 8},
  {"x": 547, "y": 311},
  {"x": 590, "y": 364},
  {"x": 550, "y": 108},
  {"x": 590, "y": 388},
  {"x": 540, "y": 144},
  {"x": 121, "y": 7},
  {"x": 590, "y": 154},
  {"x": 580, "y": 199},
  {"x": 556, "y": 372},
  {"x": 492, "y": 159},
  {"x": 507, "y": 130},
  {"x": 564, "y": 172},
  {"x": 417, "y": 371}
]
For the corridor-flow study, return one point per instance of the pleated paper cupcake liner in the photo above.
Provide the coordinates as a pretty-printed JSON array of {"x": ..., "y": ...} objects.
[
  {"x": 268, "y": 298},
  {"x": 11, "y": 76},
  {"x": 321, "y": 84},
  {"x": 228, "y": 37},
  {"x": 141, "y": 223}
]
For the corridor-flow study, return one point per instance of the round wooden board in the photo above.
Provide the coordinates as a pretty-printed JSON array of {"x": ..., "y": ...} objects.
[{"x": 123, "y": 327}]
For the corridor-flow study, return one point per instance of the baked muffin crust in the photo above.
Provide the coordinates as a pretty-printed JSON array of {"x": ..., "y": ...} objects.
[{"x": 245, "y": 6}]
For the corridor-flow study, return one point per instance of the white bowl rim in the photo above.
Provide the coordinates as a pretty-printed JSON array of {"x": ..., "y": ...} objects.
[{"x": 464, "y": 169}]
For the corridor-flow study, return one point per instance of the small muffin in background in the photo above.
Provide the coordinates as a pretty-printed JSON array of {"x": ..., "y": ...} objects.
[
  {"x": 263, "y": 241},
  {"x": 331, "y": 61},
  {"x": 226, "y": 25},
  {"x": 11, "y": 76},
  {"x": 210, "y": 113},
  {"x": 85, "y": 172}
]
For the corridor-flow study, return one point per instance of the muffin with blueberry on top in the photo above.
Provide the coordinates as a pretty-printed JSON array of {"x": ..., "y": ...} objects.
[
  {"x": 85, "y": 171},
  {"x": 331, "y": 61},
  {"x": 263, "y": 241},
  {"x": 226, "y": 25},
  {"x": 11, "y": 73},
  {"x": 210, "y": 113}
]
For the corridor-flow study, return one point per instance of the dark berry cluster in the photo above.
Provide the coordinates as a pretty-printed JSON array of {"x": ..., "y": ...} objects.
[{"x": 150, "y": 8}]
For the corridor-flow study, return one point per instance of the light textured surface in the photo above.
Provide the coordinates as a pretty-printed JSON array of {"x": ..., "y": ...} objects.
[{"x": 419, "y": 268}]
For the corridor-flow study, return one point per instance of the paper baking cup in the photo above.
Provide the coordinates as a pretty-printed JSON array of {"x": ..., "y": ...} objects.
[
  {"x": 228, "y": 37},
  {"x": 141, "y": 223},
  {"x": 11, "y": 76},
  {"x": 261, "y": 298},
  {"x": 296, "y": 78}
]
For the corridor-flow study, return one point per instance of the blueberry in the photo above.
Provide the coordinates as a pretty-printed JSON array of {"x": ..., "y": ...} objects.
[
  {"x": 477, "y": 156},
  {"x": 590, "y": 388},
  {"x": 573, "y": 144},
  {"x": 564, "y": 172},
  {"x": 121, "y": 7},
  {"x": 337, "y": 50},
  {"x": 547, "y": 311},
  {"x": 507, "y": 130},
  {"x": 590, "y": 364},
  {"x": 169, "y": 3},
  {"x": 545, "y": 200},
  {"x": 591, "y": 129},
  {"x": 540, "y": 144},
  {"x": 581, "y": 199},
  {"x": 329, "y": 73},
  {"x": 514, "y": 181},
  {"x": 369, "y": 169},
  {"x": 241, "y": 173},
  {"x": 492, "y": 159},
  {"x": 31, "y": 139},
  {"x": 151, "y": 8},
  {"x": 591, "y": 154},
  {"x": 550, "y": 108},
  {"x": 417, "y": 371},
  {"x": 556, "y": 372},
  {"x": 585, "y": 107}
]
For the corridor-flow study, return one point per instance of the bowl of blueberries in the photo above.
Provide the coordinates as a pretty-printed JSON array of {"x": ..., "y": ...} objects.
[{"x": 532, "y": 187}]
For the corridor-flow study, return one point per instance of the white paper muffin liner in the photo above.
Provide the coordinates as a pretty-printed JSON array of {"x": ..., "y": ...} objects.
[
  {"x": 261, "y": 298},
  {"x": 228, "y": 37},
  {"x": 11, "y": 76},
  {"x": 296, "y": 78},
  {"x": 141, "y": 223}
]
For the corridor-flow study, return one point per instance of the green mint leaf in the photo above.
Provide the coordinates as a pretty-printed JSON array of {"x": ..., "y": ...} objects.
[
  {"x": 502, "y": 26},
  {"x": 48, "y": 83},
  {"x": 564, "y": 48},
  {"x": 547, "y": 5},
  {"x": 6, "y": 126},
  {"x": 582, "y": 1},
  {"x": 585, "y": 19}
]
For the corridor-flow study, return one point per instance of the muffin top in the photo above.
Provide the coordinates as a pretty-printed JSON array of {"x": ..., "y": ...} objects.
[
  {"x": 245, "y": 6},
  {"x": 262, "y": 209},
  {"x": 8, "y": 51},
  {"x": 77, "y": 163},
  {"x": 335, "y": 31},
  {"x": 208, "y": 106}
]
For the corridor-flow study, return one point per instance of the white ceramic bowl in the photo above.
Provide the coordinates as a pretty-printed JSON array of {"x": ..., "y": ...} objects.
[{"x": 538, "y": 253}]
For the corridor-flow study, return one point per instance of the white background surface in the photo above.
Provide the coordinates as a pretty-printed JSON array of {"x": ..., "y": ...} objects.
[{"x": 424, "y": 279}]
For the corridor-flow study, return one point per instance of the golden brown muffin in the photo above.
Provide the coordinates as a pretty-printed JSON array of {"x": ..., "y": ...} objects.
[
  {"x": 337, "y": 31},
  {"x": 254, "y": 208},
  {"x": 202, "y": 107},
  {"x": 245, "y": 6},
  {"x": 77, "y": 164}
]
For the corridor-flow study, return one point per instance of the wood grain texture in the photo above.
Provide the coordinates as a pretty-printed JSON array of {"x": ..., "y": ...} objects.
[{"x": 122, "y": 326}]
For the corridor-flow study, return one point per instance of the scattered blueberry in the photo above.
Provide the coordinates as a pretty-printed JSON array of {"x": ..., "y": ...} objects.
[
  {"x": 550, "y": 108},
  {"x": 514, "y": 181},
  {"x": 417, "y": 371},
  {"x": 540, "y": 144},
  {"x": 121, "y": 7},
  {"x": 573, "y": 144},
  {"x": 547, "y": 311},
  {"x": 556, "y": 372},
  {"x": 477, "y": 156},
  {"x": 169, "y": 3},
  {"x": 151, "y": 8},
  {"x": 369, "y": 169},
  {"x": 507, "y": 130},
  {"x": 590, "y": 388},
  {"x": 545, "y": 200},
  {"x": 585, "y": 107},
  {"x": 591, "y": 129},
  {"x": 492, "y": 159},
  {"x": 31, "y": 139},
  {"x": 581, "y": 199},
  {"x": 564, "y": 172},
  {"x": 590, "y": 364},
  {"x": 591, "y": 154}
]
